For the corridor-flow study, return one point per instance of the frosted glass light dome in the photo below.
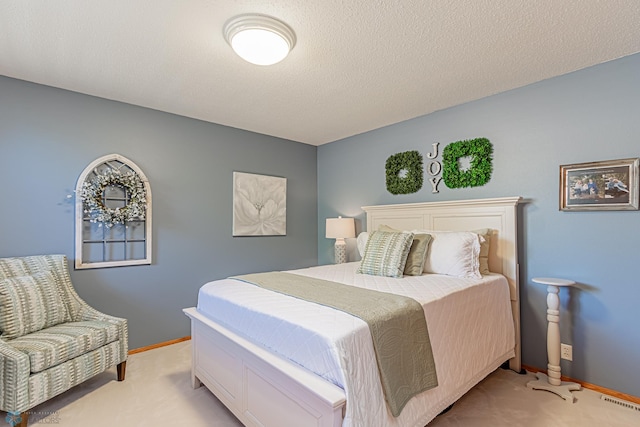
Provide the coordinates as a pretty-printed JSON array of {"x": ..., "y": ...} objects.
[{"x": 259, "y": 39}]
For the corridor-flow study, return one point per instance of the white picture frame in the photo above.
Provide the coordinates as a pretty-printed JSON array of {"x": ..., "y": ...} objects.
[{"x": 259, "y": 205}]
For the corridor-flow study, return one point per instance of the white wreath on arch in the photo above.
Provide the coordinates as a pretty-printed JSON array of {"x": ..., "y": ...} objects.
[{"x": 92, "y": 197}]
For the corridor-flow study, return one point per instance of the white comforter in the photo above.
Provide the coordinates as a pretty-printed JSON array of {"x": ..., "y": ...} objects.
[{"x": 469, "y": 321}]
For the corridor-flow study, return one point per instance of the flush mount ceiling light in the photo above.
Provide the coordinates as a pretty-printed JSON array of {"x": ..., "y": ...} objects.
[{"x": 259, "y": 39}]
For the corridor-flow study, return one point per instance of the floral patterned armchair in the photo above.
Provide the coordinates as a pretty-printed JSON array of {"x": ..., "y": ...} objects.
[{"x": 50, "y": 340}]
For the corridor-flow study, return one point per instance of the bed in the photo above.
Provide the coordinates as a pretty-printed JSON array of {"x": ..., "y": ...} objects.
[{"x": 287, "y": 362}]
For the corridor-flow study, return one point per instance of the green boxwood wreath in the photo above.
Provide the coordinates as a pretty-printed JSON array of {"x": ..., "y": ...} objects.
[
  {"x": 409, "y": 161},
  {"x": 480, "y": 150}
]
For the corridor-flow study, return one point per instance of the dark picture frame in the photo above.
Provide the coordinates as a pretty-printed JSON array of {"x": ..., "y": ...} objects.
[{"x": 604, "y": 185}]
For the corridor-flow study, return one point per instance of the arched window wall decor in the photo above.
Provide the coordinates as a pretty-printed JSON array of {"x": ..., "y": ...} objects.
[{"x": 113, "y": 214}]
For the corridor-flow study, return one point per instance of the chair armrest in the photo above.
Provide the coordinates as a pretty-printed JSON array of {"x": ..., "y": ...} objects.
[
  {"x": 89, "y": 313},
  {"x": 14, "y": 379}
]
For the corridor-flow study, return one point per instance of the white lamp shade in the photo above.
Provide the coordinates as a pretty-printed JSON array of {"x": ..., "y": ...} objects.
[
  {"x": 259, "y": 39},
  {"x": 340, "y": 228}
]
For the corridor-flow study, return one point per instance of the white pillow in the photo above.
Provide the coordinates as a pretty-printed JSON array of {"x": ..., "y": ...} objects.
[
  {"x": 454, "y": 253},
  {"x": 361, "y": 242}
]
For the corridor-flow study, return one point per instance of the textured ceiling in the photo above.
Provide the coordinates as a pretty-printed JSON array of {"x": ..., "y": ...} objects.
[{"x": 358, "y": 64}]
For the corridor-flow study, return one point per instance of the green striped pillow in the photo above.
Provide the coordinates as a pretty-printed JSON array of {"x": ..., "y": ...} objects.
[
  {"x": 417, "y": 254},
  {"x": 386, "y": 254},
  {"x": 29, "y": 304}
]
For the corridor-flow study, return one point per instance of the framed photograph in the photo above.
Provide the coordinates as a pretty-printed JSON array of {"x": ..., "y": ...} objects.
[
  {"x": 259, "y": 205},
  {"x": 607, "y": 185}
]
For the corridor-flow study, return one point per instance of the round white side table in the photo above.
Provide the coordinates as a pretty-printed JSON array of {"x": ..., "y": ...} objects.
[{"x": 552, "y": 381}]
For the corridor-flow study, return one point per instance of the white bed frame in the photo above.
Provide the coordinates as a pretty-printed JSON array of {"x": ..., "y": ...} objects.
[{"x": 265, "y": 390}]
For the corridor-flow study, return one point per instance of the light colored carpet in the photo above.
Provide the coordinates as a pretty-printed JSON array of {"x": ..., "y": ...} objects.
[{"x": 157, "y": 392}]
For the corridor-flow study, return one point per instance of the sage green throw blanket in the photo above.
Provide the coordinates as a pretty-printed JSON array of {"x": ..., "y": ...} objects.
[{"x": 397, "y": 325}]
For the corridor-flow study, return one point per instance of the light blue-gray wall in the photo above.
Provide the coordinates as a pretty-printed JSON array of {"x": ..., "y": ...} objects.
[
  {"x": 48, "y": 136},
  {"x": 589, "y": 115}
]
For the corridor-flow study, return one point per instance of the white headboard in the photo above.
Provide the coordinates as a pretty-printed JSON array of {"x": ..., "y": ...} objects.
[{"x": 498, "y": 214}]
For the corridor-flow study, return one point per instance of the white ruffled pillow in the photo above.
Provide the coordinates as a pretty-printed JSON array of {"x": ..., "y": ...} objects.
[
  {"x": 454, "y": 253},
  {"x": 361, "y": 242}
]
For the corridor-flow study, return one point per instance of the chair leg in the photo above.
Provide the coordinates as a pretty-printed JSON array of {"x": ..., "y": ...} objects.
[
  {"x": 24, "y": 419},
  {"x": 121, "y": 368},
  {"x": 17, "y": 419}
]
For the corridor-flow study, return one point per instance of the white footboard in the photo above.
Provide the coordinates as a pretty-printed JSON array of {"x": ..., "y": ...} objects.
[{"x": 260, "y": 388}]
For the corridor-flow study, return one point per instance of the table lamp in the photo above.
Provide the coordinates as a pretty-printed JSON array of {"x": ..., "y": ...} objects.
[{"x": 340, "y": 229}]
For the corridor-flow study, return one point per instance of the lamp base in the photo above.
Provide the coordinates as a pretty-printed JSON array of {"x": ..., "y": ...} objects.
[{"x": 341, "y": 251}]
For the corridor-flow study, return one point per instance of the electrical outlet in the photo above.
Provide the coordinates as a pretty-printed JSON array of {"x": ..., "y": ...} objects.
[{"x": 566, "y": 352}]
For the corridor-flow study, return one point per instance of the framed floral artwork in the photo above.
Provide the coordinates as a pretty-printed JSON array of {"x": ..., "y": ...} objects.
[
  {"x": 606, "y": 185},
  {"x": 259, "y": 205}
]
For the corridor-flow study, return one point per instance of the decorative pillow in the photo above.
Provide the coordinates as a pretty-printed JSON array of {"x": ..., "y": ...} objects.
[
  {"x": 361, "y": 242},
  {"x": 386, "y": 254},
  {"x": 485, "y": 246},
  {"x": 29, "y": 304},
  {"x": 417, "y": 254},
  {"x": 11, "y": 267},
  {"x": 454, "y": 253}
]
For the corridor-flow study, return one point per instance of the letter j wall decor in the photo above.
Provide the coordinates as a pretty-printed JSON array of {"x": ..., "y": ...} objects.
[{"x": 259, "y": 205}]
